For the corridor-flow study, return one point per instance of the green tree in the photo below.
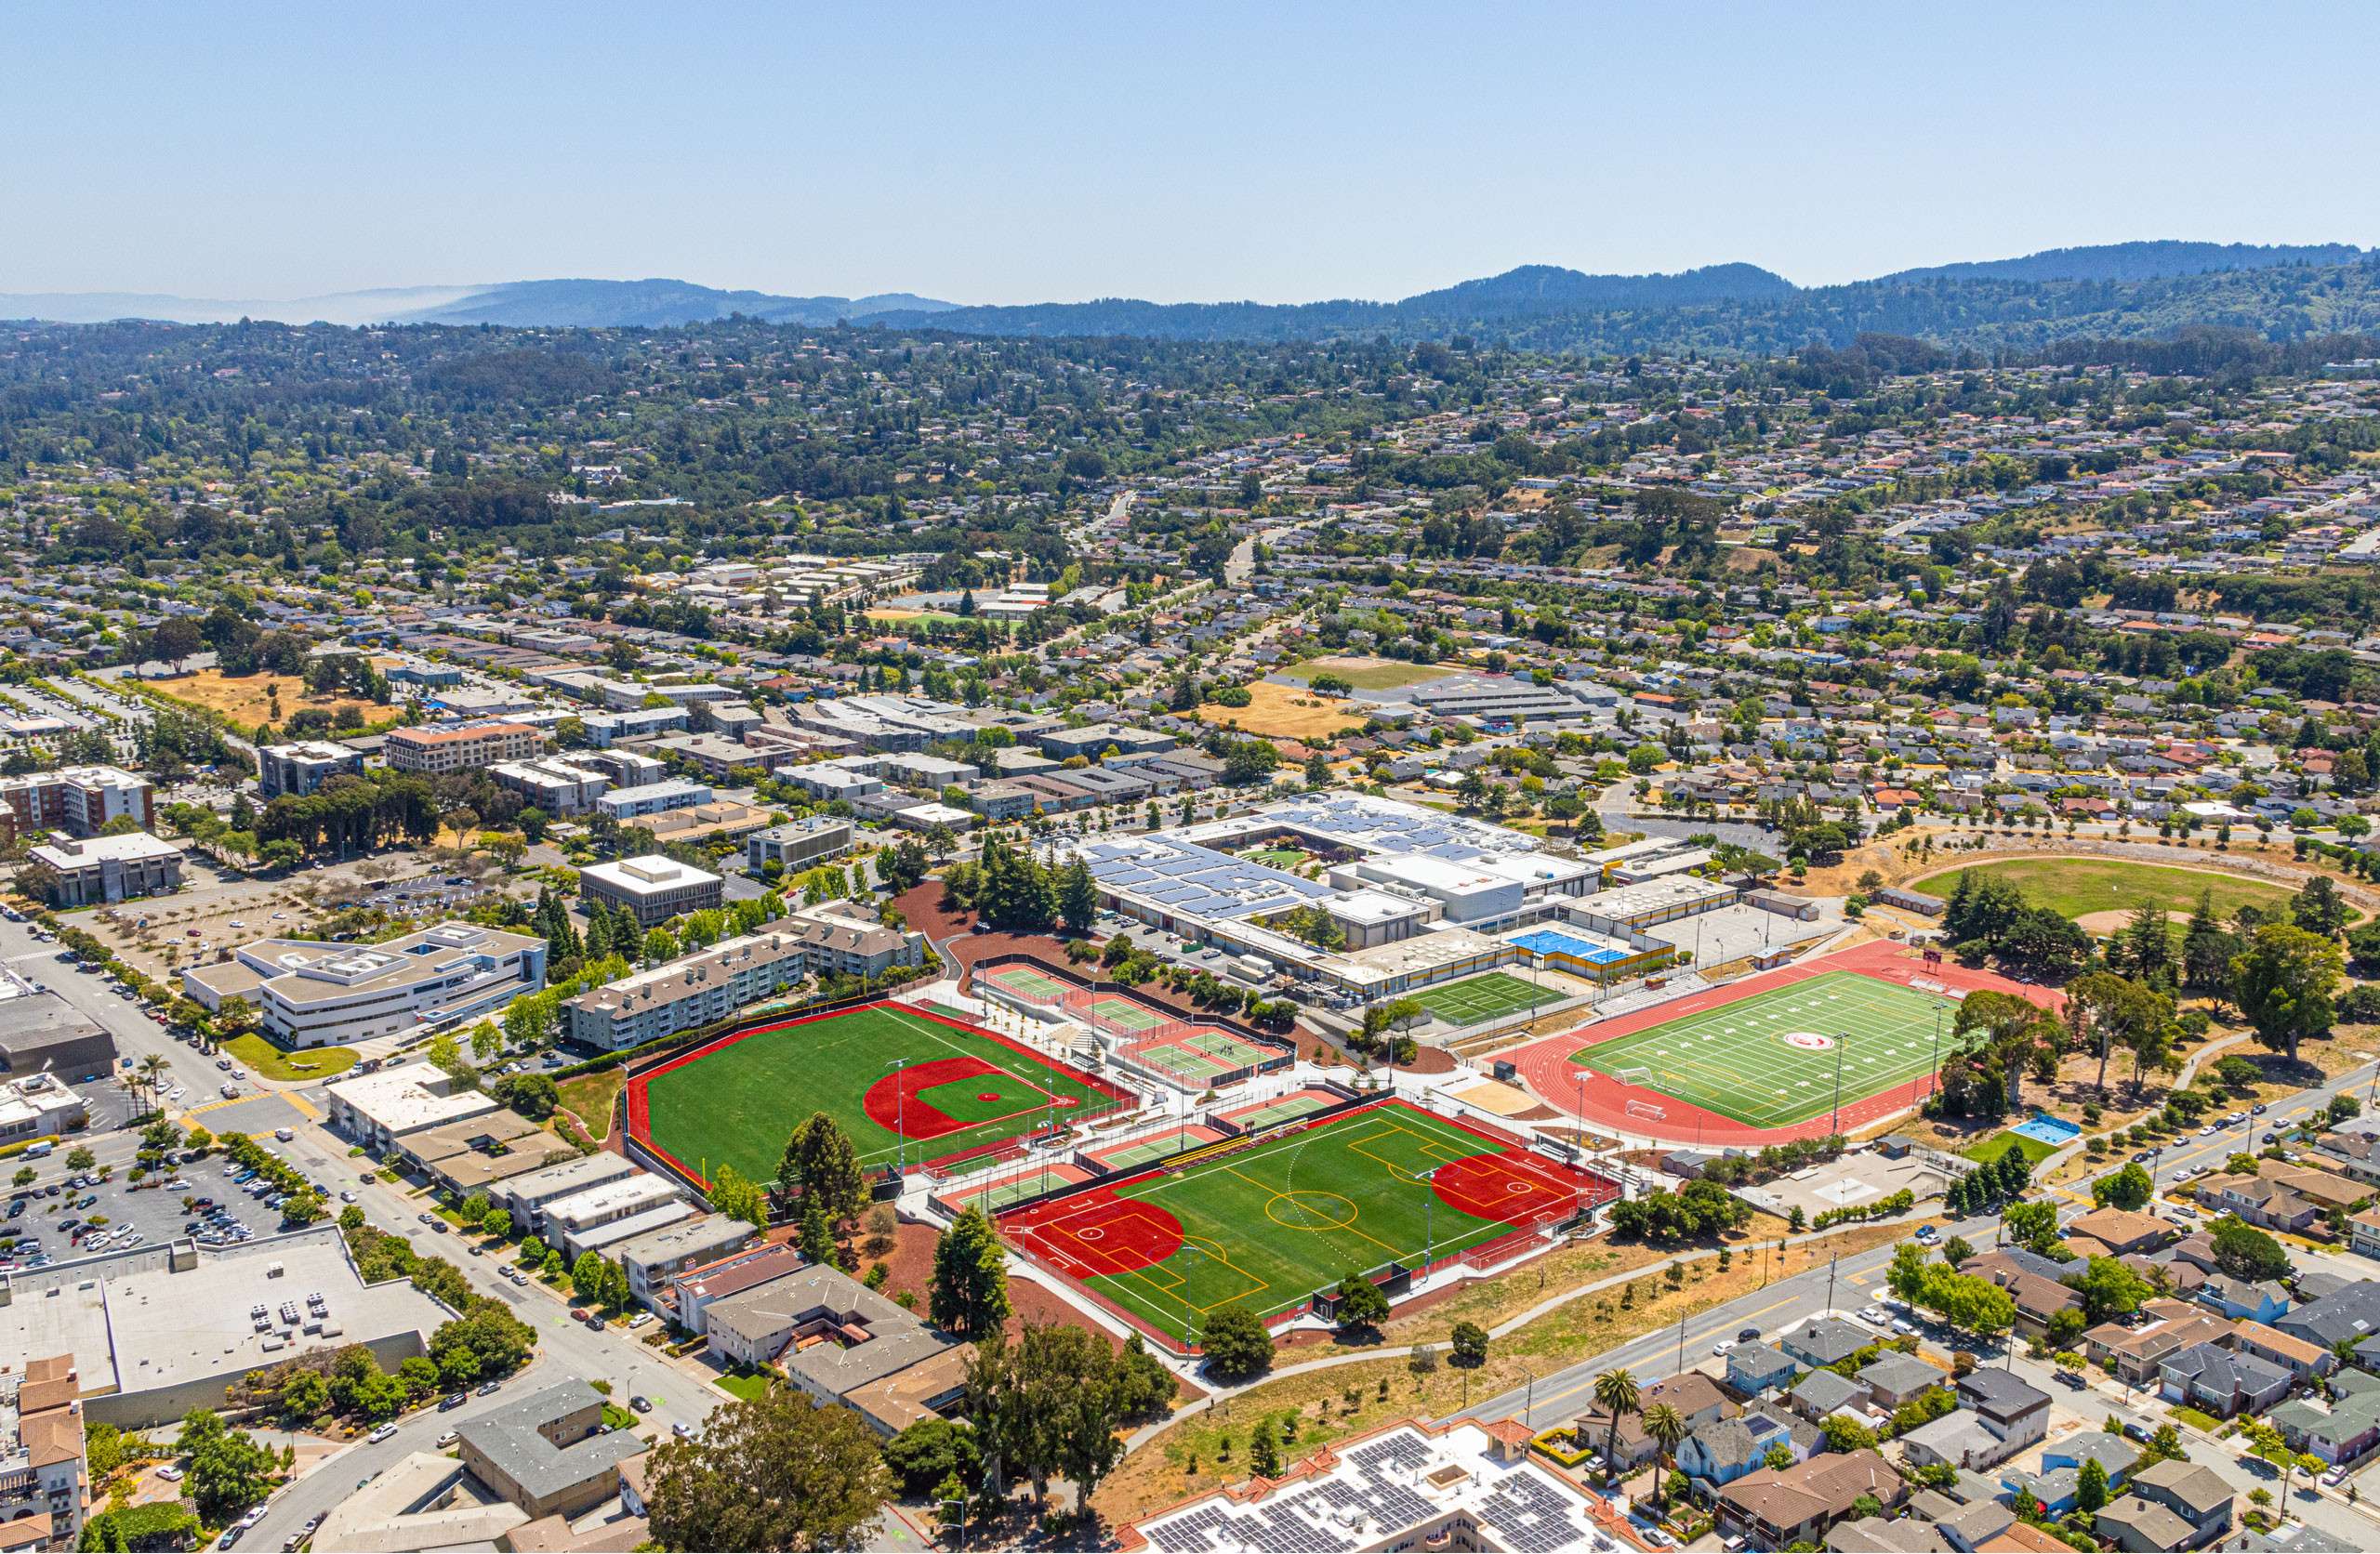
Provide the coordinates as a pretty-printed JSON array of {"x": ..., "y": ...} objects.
[
  {"x": 2283, "y": 985},
  {"x": 2130, "y": 1188},
  {"x": 731, "y": 1194},
  {"x": 819, "y": 1162},
  {"x": 228, "y": 1472},
  {"x": 1468, "y": 1345},
  {"x": 1239, "y": 1345},
  {"x": 776, "y": 1471},
  {"x": 1078, "y": 898},
  {"x": 1049, "y": 1404},
  {"x": 1361, "y": 1304},
  {"x": 2244, "y": 1252},
  {"x": 969, "y": 1290},
  {"x": 1616, "y": 1393}
]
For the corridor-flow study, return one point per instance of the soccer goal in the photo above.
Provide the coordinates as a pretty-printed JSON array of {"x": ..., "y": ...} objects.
[
  {"x": 1645, "y": 1109},
  {"x": 1639, "y": 1077}
]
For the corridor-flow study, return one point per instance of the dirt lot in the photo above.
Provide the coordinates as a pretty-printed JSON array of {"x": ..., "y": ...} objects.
[
  {"x": 211, "y": 900},
  {"x": 1285, "y": 711},
  {"x": 248, "y": 700}
]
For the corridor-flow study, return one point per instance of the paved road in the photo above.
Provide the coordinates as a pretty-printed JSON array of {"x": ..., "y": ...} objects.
[{"x": 136, "y": 1034}]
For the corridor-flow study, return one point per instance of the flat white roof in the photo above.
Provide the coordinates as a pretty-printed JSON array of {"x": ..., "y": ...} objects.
[{"x": 643, "y": 876}]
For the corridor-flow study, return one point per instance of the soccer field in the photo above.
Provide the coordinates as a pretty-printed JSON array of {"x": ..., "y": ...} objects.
[
  {"x": 958, "y": 1089},
  {"x": 1480, "y": 998},
  {"x": 1270, "y": 1224},
  {"x": 1769, "y": 1059}
]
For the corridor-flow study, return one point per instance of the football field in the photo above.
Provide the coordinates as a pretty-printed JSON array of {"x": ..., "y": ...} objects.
[
  {"x": 1769, "y": 1059},
  {"x": 895, "y": 1079},
  {"x": 1475, "y": 999},
  {"x": 1269, "y": 1224}
]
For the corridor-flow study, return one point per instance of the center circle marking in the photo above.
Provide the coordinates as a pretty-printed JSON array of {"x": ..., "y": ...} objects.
[
  {"x": 1311, "y": 1211},
  {"x": 1808, "y": 1041}
]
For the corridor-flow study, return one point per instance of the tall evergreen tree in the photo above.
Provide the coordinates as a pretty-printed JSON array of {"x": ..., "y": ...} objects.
[{"x": 969, "y": 1290}]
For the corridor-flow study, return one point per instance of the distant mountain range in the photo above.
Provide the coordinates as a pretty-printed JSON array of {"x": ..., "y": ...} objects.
[{"x": 2128, "y": 289}]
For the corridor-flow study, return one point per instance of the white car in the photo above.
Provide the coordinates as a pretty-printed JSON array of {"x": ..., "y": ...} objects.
[
  {"x": 383, "y": 1433},
  {"x": 1723, "y": 1346}
]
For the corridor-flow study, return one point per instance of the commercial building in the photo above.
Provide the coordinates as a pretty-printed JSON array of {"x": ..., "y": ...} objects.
[
  {"x": 605, "y": 728},
  {"x": 78, "y": 800},
  {"x": 798, "y": 844},
  {"x": 45, "y": 1475},
  {"x": 379, "y": 1111},
  {"x": 164, "y": 1328},
  {"x": 41, "y": 1033},
  {"x": 317, "y": 994},
  {"x": 38, "y": 1106},
  {"x": 464, "y": 749},
  {"x": 303, "y": 766},
  {"x": 653, "y": 888},
  {"x": 89, "y": 871}
]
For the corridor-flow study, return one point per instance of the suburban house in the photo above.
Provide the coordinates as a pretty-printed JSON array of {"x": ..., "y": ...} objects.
[
  {"x": 1825, "y": 1341},
  {"x": 1777, "y": 1506},
  {"x": 2341, "y": 1432},
  {"x": 1726, "y": 1450},
  {"x": 2134, "y": 1353},
  {"x": 2280, "y": 1196},
  {"x": 2238, "y": 1300},
  {"x": 2014, "y": 1409},
  {"x": 2192, "y": 1492},
  {"x": 2221, "y": 1382},
  {"x": 2114, "y": 1232},
  {"x": 1754, "y": 1368},
  {"x": 1894, "y": 1378}
]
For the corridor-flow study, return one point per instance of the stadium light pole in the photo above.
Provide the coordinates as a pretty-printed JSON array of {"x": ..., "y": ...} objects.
[
  {"x": 1842, "y": 1038},
  {"x": 1429, "y": 1218},
  {"x": 1936, "y": 1087},
  {"x": 900, "y": 1118}
]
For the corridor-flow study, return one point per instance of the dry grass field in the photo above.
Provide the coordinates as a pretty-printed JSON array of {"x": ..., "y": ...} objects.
[
  {"x": 1285, "y": 711},
  {"x": 248, "y": 700}
]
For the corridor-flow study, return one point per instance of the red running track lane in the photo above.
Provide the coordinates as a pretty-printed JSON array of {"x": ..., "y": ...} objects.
[
  {"x": 639, "y": 1123},
  {"x": 1546, "y": 1066}
]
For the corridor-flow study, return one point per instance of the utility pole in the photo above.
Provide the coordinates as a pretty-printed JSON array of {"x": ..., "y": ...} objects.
[{"x": 1681, "y": 1343}]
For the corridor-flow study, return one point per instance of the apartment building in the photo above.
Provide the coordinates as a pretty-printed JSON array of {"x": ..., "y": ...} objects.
[
  {"x": 653, "y": 887},
  {"x": 652, "y": 798},
  {"x": 78, "y": 800},
  {"x": 688, "y": 993},
  {"x": 45, "y": 1478},
  {"x": 304, "y": 765},
  {"x": 463, "y": 748},
  {"x": 558, "y": 785},
  {"x": 317, "y": 994}
]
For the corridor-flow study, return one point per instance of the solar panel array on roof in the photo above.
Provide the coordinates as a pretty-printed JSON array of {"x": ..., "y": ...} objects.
[{"x": 1195, "y": 879}]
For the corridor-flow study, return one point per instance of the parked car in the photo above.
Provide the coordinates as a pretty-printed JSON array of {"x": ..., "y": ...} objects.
[{"x": 383, "y": 1433}]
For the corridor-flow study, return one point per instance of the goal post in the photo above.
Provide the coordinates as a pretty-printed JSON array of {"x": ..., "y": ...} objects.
[
  {"x": 1645, "y": 1109},
  {"x": 1641, "y": 1077}
]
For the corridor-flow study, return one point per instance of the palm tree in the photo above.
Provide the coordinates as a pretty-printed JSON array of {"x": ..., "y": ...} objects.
[
  {"x": 1667, "y": 1427},
  {"x": 1616, "y": 1393},
  {"x": 152, "y": 1069}
]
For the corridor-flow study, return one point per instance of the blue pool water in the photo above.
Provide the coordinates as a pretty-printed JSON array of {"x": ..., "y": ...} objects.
[
  {"x": 2047, "y": 1130},
  {"x": 1553, "y": 942}
]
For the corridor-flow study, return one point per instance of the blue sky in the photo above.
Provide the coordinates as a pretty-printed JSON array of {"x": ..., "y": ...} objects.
[{"x": 1027, "y": 152}]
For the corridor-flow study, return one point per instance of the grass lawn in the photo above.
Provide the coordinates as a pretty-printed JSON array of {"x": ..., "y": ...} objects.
[
  {"x": 1482, "y": 998},
  {"x": 1269, "y": 1226},
  {"x": 590, "y": 1095},
  {"x": 1370, "y": 674},
  {"x": 306, "y": 1063},
  {"x": 2078, "y": 887},
  {"x": 1769, "y": 1059},
  {"x": 957, "y": 1090},
  {"x": 1991, "y": 1149},
  {"x": 2192, "y": 1417},
  {"x": 750, "y": 1386}
]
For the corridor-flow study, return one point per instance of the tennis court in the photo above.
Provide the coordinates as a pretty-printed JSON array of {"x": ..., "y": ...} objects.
[
  {"x": 1554, "y": 945},
  {"x": 1770, "y": 1060},
  {"x": 1122, "y": 1014},
  {"x": 1270, "y": 1223},
  {"x": 898, "y": 1081},
  {"x": 1201, "y": 1053},
  {"x": 1255, "y": 1119},
  {"x": 1476, "y": 1000},
  {"x": 1025, "y": 982}
]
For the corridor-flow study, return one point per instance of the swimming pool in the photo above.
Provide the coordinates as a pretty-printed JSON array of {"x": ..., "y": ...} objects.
[
  {"x": 2048, "y": 1129},
  {"x": 1553, "y": 942}
]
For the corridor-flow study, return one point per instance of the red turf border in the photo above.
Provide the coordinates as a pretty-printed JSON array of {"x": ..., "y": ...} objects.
[
  {"x": 1547, "y": 1068},
  {"x": 1604, "y": 1190},
  {"x": 638, "y": 1124}
]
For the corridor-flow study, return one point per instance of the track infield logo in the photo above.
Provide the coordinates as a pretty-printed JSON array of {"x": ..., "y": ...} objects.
[{"x": 1807, "y": 1041}]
